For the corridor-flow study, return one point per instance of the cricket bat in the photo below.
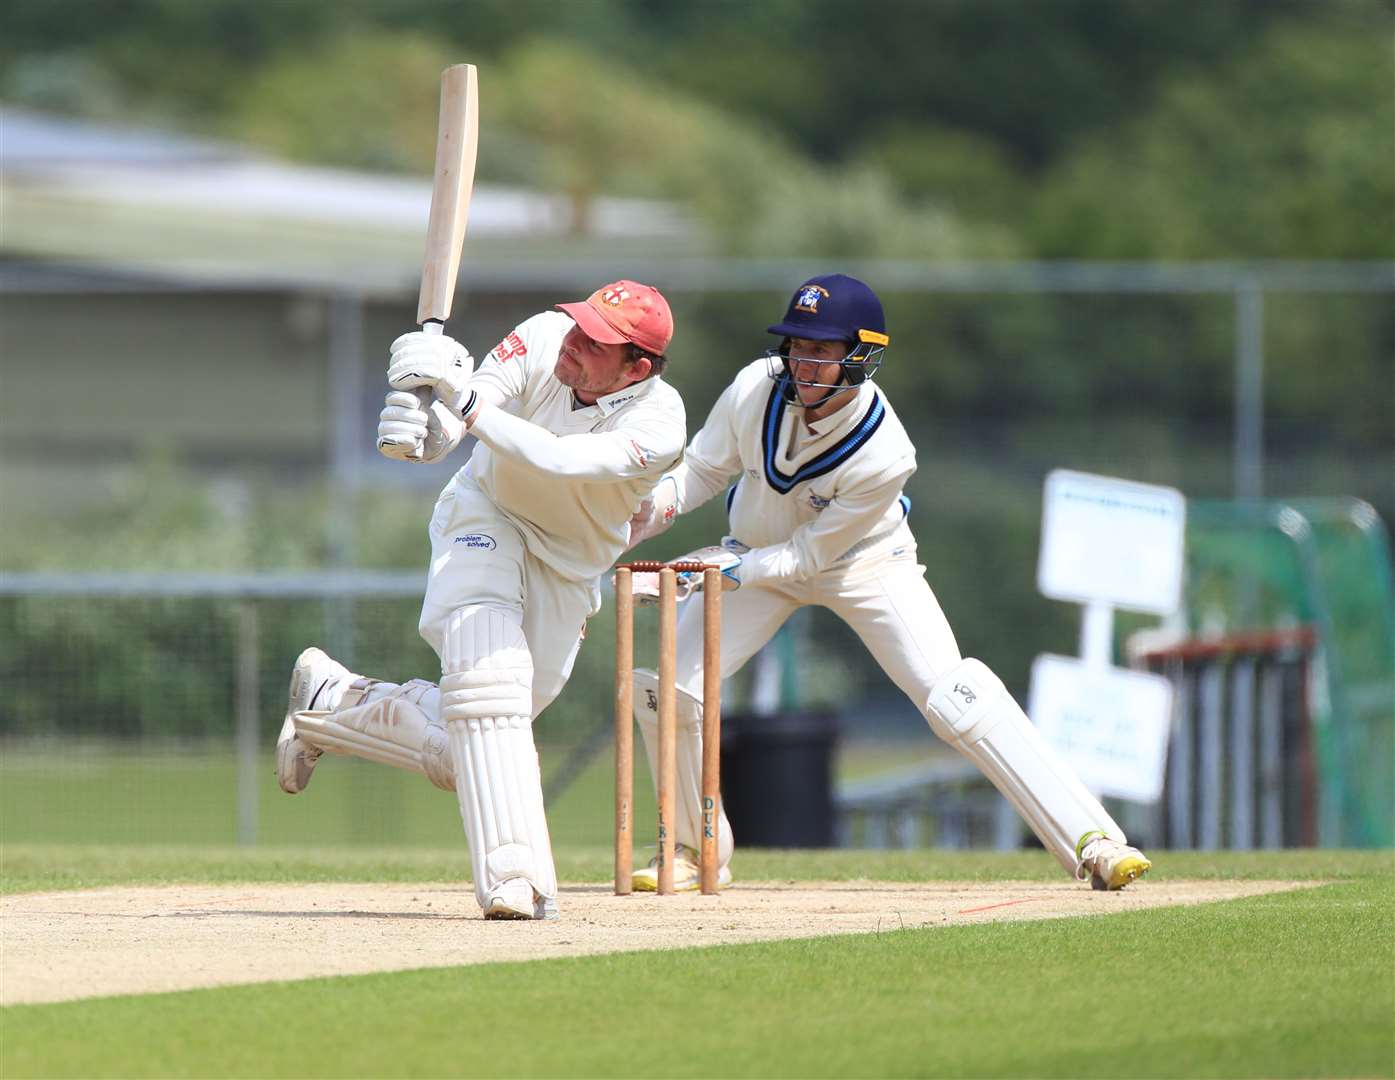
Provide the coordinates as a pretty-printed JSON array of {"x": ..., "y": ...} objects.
[{"x": 457, "y": 141}]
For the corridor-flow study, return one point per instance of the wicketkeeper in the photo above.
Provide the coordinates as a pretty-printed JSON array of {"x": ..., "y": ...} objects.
[
  {"x": 817, "y": 516},
  {"x": 575, "y": 426}
]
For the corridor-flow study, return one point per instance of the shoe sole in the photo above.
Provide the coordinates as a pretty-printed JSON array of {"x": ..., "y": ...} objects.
[
  {"x": 1126, "y": 872},
  {"x": 286, "y": 751},
  {"x": 507, "y": 914},
  {"x": 500, "y": 909},
  {"x": 543, "y": 911},
  {"x": 646, "y": 884}
]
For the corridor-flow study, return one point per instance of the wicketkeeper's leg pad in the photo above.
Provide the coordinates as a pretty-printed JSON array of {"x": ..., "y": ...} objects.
[
  {"x": 486, "y": 703},
  {"x": 687, "y": 796},
  {"x": 384, "y": 722},
  {"x": 971, "y": 709}
]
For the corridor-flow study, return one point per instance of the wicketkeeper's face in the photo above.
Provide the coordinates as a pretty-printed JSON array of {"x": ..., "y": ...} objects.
[
  {"x": 593, "y": 369},
  {"x": 815, "y": 366}
]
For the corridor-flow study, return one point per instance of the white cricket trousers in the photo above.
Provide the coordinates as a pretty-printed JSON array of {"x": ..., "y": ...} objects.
[
  {"x": 479, "y": 557},
  {"x": 886, "y": 600}
]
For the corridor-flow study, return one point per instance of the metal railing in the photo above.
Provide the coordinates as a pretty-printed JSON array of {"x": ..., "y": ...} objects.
[
  {"x": 236, "y": 685},
  {"x": 1241, "y": 764}
]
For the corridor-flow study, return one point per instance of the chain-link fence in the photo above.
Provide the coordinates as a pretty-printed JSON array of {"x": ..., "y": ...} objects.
[
  {"x": 229, "y": 430},
  {"x": 145, "y": 709}
]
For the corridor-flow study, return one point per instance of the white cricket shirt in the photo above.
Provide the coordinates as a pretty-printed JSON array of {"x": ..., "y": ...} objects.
[
  {"x": 569, "y": 478},
  {"x": 805, "y": 498}
]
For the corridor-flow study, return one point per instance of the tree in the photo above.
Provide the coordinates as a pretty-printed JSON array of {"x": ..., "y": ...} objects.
[{"x": 1285, "y": 152}]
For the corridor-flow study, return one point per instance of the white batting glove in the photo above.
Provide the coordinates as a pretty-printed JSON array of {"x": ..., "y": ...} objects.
[
  {"x": 435, "y": 362},
  {"x": 656, "y": 513},
  {"x": 422, "y": 433},
  {"x": 402, "y": 426},
  {"x": 725, "y": 557},
  {"x": 444, "y": 430}
]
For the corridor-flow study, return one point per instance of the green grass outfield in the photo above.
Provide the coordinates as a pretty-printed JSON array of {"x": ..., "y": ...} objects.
[
  {"x": 94, "y": 793},
  {"x": 1292, "y": 984}
]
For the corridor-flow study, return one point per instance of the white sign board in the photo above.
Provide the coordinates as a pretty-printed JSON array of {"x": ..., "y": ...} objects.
[
  {"x": 1109, "y": 724},
  {"x": 1112, "y": 542}
]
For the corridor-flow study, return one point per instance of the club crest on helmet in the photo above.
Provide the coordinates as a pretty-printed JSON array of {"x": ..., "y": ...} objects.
[
  {"x": 832, "y": 307},
  {"x": 807, "y": 299}
]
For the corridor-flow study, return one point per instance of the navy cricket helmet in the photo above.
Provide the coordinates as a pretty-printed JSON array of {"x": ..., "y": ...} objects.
[{"x": 833, "y": 307}]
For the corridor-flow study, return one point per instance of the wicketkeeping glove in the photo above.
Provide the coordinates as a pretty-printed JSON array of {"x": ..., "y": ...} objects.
[{"x": 726, "y": 557}]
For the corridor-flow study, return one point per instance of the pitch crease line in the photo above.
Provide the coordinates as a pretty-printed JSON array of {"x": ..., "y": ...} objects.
[{"x": 990, "y": 907}]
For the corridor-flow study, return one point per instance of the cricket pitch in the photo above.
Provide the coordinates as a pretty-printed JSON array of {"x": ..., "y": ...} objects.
[{"x": 61, "y": 946}]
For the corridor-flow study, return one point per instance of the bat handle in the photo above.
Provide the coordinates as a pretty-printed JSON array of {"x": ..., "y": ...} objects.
[{"x": 435, "y": 327}]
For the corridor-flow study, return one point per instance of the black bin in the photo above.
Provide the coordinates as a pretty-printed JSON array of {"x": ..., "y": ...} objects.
[{"x": 777, "y": 778}]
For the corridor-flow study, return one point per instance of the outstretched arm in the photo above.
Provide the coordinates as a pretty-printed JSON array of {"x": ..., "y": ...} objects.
[{"x": 601, "y": 457}]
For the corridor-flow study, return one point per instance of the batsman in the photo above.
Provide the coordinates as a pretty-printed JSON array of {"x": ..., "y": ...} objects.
[
  {"x": 574, "y": 426},
  {"x": 817, "y": 516}
]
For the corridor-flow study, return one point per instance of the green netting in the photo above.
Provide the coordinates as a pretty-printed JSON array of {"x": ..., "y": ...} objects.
[{"x": 1323, "y": 562}]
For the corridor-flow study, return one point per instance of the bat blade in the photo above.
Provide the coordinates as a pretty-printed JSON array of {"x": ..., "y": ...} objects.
[{"x": 457, "y": 142}]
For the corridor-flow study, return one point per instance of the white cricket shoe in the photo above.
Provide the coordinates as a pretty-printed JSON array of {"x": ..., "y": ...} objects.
[
  {"x": 687, "y": 874},
  {"x": 511, "y": 899},
  {"x": 1108, "y": 863},
  {"x": 317, "y": 681}
]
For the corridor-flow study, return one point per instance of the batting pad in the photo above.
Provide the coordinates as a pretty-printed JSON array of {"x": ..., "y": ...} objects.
[
  {"x": 687, "y": 796},
  {"x": 391, "y": 724},
  {"x": 970, "y": 708},
  {"x": 486, "y": 703}
]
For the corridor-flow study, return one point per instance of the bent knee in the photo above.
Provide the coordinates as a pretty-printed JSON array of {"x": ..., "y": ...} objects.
[{"x": 963, "y": 703}]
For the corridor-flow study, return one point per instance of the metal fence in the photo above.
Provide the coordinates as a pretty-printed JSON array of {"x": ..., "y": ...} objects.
[
  {"x": 1241, "y": 764},
  {"x": 1001, "y": 372},
  {"x": 144, "y": 708},
  {"x": 170, "y": 672},
  {"x": 944, "y": 804}
]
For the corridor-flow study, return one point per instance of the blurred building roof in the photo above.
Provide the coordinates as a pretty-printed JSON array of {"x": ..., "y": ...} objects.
[{"x": 128, "y": 200}]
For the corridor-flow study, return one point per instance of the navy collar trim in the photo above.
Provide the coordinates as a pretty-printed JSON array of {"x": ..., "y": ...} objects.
[{"x": 826, "y": 462}]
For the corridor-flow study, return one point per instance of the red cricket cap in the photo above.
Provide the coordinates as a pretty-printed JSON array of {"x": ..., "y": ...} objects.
[{"x": 625, "y": 311}]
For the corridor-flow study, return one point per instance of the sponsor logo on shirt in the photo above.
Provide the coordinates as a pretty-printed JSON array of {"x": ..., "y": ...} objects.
[
  {"x": 511, "y": 347},
  {"x": 478, "y": 541},
  {"x": 818, "y": 502}
]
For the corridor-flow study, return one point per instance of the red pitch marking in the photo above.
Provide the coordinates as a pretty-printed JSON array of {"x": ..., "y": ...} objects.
[{"x": 990, "y": 907}]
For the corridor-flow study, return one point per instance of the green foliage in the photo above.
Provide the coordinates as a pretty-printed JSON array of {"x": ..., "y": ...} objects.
[
  {"x": 358, "y": 100},
  {"x": 950, "y": 130},
  {"x": 1285, "y": 152},
  {"x": 597, "y": 127},
  {"x": 965, "y": 174},
  {"x": 159, "y": 516}
]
